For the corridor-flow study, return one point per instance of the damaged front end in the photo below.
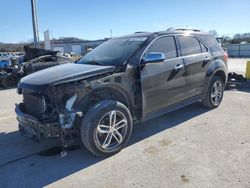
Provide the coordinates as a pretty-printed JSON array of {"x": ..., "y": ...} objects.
[
  {"x": 32, "y": 127},
  {"x": 49, "y": 96},
  {"x": 67, "y": 121},
  {"x": 41, "y": 117},
  {"x": 54, "y": 100}
]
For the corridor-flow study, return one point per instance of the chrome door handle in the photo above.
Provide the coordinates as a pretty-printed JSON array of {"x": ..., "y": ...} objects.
[
  {"x": 178, "y": 67},
  {"x": 207, "y": 59}
]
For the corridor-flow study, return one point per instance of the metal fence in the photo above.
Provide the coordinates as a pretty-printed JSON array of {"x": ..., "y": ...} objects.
[{"x": 238, "y": 50}]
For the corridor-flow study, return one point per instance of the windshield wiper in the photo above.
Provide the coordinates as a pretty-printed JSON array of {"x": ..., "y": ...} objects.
[
  {"x": 89, "y": 62},
  {"x": 94, "y": 63}
]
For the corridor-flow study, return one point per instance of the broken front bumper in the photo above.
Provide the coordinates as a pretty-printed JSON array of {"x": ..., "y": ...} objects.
[{"x": 31, "y": 127}]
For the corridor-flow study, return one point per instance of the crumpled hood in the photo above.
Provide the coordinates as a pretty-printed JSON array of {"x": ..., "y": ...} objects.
[{"x": 63, "y": 73}]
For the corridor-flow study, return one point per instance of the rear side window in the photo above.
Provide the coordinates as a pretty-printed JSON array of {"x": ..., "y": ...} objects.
[
  {"x": 211, "y": 42},
  {"x": 164, "y": 45},
  {"x": 189, "y": 45}
]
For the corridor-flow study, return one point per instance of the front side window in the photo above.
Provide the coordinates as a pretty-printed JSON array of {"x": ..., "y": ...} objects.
[
  {"x": 164, "y": 45},
  {"x": 189, "y": 45}
]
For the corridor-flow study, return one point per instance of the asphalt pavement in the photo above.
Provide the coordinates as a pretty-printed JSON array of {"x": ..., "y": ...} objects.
[{"x": 190, "y": 147}]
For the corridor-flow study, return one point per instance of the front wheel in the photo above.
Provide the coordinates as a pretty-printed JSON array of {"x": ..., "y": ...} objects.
[
  {"x": 214, "y": 93},
  {"x": 106, "y": 128}
]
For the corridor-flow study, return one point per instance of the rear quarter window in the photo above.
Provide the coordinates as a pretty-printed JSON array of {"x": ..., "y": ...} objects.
[{"x": 211, "y": 42}]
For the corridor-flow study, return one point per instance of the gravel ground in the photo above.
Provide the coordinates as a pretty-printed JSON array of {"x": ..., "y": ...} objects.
[{"x": 191, "y": 147}]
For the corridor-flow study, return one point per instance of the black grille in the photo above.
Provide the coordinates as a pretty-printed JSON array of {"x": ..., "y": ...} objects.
[{"x": 34, "y": 104}]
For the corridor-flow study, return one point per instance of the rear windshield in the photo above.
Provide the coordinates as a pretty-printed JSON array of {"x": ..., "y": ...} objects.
[
  {"x": 211, "y": 42},
  {"x": 113, "y": 52}
]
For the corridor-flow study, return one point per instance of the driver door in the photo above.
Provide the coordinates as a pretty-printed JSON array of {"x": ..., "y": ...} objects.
[{"x": 162, "y": 83}]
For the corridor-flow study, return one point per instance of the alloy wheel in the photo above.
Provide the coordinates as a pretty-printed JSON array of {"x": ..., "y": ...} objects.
[
  {"x": 216, "y": 93},
  {"x": 111, "y": 130}
]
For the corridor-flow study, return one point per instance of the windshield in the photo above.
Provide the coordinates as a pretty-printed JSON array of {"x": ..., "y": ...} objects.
[{"x": 113, "y": 52}]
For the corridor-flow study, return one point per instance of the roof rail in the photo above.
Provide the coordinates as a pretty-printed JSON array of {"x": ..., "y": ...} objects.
[
  {"x": 141, "y": 32},
  {"x": 183, "y": 29}
]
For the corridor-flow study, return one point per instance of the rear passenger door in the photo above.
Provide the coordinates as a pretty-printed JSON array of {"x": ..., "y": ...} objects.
[{"x": 196, "y": 59}]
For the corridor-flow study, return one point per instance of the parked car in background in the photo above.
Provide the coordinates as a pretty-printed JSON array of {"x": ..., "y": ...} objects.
[
  {"x": 4, "y": 56},
  {"x": 7, "y": 56},
  {"x": 35, "y": 60},
  {"x": 43, "y": 62},
  {"x": 4, "y": 63},
  {"x": 9, "y": 76},
  {"x": 5, "y": 60},
  {"x": 124, "y": 80}
]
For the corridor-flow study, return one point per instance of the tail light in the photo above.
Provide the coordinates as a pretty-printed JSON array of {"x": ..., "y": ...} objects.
[{"x": 225, "y": 57}]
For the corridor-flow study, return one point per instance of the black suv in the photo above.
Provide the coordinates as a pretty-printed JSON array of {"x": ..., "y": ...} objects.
[{"x": 124, "y": 80}]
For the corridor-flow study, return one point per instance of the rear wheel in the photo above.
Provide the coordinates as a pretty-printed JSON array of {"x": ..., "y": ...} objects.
[
  {"x": 214, "y": 94},
  {"x": 106, "y": 128}
]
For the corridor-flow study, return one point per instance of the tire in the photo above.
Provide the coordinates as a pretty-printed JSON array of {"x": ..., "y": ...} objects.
[
  {"x": 9, "y": 82},
  {"x": 214, "y": 97},
  {"x": 100, "y": 132}
]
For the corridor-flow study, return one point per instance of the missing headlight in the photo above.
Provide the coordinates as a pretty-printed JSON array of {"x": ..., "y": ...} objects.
[{"x": 67, "y": 117}]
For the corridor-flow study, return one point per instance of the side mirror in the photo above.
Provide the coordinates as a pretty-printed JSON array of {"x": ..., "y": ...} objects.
[{"x": 154, "y": 57}]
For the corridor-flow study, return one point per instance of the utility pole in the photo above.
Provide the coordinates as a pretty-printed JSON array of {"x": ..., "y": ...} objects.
[
  {"x": 111, "y": 33},
  {"x": 35, "y": 23}
]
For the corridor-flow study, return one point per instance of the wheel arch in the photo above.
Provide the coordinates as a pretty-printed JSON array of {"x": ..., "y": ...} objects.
[
  {"x": 103, "y": 93},
  {"x": 221, "y": 74},
  {"x": 217, "y": 68}
]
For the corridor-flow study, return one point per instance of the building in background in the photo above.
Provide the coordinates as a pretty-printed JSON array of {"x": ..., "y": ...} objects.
[
  {"x": 238, "y": 50},
  {"x": 77, "y": 46}
]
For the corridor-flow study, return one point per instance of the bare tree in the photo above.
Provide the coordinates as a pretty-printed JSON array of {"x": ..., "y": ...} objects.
[{"x": 214, "y": 33}]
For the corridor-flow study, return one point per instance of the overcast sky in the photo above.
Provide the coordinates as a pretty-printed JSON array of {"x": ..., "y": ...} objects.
[{"x": 93, "y": 19}]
